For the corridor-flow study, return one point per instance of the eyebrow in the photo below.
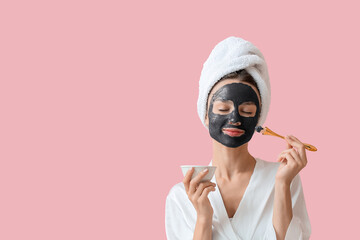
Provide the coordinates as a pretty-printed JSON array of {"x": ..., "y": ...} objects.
[
  {"x": 222, "y": 100},
  {"x": 248, "y": 103},
  {"x": 244, "y": 103}
]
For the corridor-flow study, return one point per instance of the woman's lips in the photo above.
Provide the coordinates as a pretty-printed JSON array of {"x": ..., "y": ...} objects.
[{"x": 233, "y": 132}]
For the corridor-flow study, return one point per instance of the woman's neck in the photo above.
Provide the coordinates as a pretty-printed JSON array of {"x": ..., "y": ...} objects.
[{"x": 231, "y": 162}]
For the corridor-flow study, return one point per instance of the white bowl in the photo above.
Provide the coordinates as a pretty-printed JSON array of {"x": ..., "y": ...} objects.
[{"x": 198, "y": 169}]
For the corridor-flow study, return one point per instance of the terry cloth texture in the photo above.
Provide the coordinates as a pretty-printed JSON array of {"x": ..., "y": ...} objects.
[{"x": 230, "y": 55}]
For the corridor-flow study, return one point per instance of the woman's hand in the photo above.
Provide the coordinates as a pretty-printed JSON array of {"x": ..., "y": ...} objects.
[
  {"x": 198, "y": 194},
  {"x": 292, "y": 160}
]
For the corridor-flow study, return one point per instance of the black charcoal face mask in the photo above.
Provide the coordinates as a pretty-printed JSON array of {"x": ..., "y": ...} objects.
[{"x": 238, "y": 93}]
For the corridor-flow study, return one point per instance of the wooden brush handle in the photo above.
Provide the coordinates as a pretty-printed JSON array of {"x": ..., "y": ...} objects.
[
  {"x": 310, "y": 147},
  {"x": 267, "y": 131}
]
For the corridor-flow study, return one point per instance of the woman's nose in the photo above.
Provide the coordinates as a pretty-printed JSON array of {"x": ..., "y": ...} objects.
[{"x": 236, "y": 124}]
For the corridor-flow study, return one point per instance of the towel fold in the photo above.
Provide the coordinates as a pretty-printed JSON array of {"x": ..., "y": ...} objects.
[{"x": 230, "y": 55}]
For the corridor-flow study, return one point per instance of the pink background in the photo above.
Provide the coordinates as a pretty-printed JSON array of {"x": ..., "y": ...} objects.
[{"x": 98, "y": 109}]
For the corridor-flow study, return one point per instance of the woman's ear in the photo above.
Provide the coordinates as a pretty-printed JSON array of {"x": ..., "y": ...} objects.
[{"x": 206, "y": 120}]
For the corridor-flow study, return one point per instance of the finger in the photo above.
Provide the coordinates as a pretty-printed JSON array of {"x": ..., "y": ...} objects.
[
  {"x": 201, "y": 188},
  {"x": 288, "y": 143},
  {"x": 300, "y": 147},
  {"x": 290, "y": 159},
  {"x": 295, "y": 142},
  {"x": 206, "y": 192},
  {"x": 187, "y": 179},
  {"x": 282, "y": 158},
  {"x": 195, "y": 181},
  {"x": 296, "y": 157},
  {"x": 282, "y": 154},
  {"x": 286, "y": 156},
  {"x": 279, "y": 158},
  {"x": 300, "y": 158},
  {"x": 294, "y": 138}
]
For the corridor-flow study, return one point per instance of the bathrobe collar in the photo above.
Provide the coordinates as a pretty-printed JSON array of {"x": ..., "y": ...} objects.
[{"x": 242, "y": 217}]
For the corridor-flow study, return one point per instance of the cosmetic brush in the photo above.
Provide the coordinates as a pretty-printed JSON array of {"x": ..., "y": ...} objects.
[{"x": 267, "y": 131}]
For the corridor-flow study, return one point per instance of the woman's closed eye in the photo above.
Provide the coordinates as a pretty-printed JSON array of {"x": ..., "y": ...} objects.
[
  {"x": 247, "y": 112},
  {"x": 225, "y": 110},
  {"x": 246, "y": 109}
]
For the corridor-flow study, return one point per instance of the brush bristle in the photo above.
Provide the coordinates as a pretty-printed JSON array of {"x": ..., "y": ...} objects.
[{"x": 258, "y": 128}]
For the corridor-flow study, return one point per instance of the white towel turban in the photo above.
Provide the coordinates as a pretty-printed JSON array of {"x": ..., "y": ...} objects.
[{"x": 230, "y": 55}]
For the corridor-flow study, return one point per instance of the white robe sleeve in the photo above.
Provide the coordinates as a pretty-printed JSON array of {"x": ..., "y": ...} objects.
[
  {"x": 299, "y": 227},
  {"x": 175, "y": 224}
]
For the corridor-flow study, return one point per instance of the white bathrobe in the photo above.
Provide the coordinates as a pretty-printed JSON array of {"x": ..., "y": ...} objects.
[{"x": 253, "y": 217}]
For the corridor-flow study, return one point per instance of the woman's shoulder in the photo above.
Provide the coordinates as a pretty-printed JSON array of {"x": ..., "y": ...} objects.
[
  {"x": 177, "y": 197},
  {"x": 270, "y": 169},
  {"x": 267, "y": 164},
  {"x": 177, "y": 190}
]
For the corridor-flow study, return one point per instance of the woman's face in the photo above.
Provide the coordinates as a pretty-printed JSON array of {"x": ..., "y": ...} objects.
[{"x": 233, "y": 112}]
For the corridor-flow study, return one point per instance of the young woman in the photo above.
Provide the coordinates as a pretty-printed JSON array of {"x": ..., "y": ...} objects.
[{"x": 252, "y": 198}]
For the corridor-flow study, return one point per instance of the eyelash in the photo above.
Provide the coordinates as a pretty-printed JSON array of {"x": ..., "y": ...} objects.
[{"x": 221, "y": 110}]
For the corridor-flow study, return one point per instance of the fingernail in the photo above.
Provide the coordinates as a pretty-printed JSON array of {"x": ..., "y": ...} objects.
[{"x": 205, "y": 170}]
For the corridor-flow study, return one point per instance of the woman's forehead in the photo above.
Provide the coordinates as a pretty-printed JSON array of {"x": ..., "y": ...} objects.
[
  {"x": 222, "y": 101},
  {"x": 229, "y": 81}
]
